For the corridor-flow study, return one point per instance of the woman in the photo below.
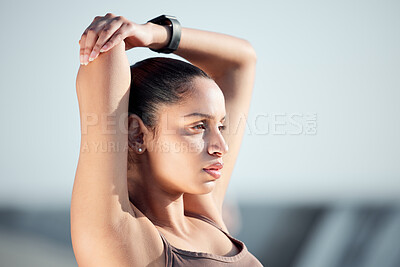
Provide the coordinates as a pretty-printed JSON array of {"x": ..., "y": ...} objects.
[{"x": 159, "y": 142}]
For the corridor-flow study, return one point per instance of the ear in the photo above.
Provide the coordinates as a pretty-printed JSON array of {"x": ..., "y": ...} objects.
[{"x": 137, "y": 134}]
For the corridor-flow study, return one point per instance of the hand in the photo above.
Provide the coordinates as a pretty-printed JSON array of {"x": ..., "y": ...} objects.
[{"x": 107, "y": 31}]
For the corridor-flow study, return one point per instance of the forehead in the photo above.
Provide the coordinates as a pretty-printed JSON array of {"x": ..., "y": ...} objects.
[{"x": 206, "y": 97}]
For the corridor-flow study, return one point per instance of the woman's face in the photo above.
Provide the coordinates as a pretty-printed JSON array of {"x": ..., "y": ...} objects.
[{"x": 189, "y": 139}]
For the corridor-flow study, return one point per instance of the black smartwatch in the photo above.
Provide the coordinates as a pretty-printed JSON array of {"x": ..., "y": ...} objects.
[{"x": 175, "y": 33}]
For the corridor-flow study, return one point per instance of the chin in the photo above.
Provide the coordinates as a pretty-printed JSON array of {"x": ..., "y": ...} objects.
[
  {"x": 201, "y": 187},
  {"x": 206, "y": 188}
]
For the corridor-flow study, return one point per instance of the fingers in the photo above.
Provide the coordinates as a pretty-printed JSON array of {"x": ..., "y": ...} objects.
[
  {"x": 85, "y": 40},
  {"x": 116, "y": 38},
  {"x": 101, "y": 35},
  {"x": 90, "y": 40},
  {"x": 107, "y": 32},
  {"x": 82, "y": 42}
]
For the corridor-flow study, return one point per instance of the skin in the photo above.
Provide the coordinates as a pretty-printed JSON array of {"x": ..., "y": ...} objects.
[{"x": 117, "y": 214}]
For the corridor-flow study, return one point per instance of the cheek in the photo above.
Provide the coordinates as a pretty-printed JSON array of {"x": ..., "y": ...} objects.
[
  {"x": 179, "y": 157},
  {"x": 178, "y": 166},
  {"x": 182, "y": 145},
  {"x": 174, "y": 147},
  {"x": 193, "y": 145}
]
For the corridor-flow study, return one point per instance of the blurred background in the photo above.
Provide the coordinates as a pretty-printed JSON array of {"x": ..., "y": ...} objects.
[{"x": 317, "y": 181}]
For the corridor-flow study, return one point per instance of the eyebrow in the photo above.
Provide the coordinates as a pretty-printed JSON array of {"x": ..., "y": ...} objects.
[{"x": 203, "y": 115}]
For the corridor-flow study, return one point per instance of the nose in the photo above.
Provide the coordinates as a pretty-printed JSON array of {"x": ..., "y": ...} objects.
[{"x": 217, "y": 145}]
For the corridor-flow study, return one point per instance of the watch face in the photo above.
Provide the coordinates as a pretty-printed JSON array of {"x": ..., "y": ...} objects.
[{"x": 159, "y": 20}]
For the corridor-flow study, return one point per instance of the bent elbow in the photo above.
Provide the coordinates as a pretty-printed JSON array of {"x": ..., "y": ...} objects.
[{"x": 251, "y": 55}]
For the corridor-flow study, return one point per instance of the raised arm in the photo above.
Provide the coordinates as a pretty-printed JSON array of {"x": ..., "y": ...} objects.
[
  {"x": 100, "y": 194},
  {"x": 231, "y": 63}
]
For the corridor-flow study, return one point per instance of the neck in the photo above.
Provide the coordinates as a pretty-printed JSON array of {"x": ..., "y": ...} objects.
[{"x": 164, "y": 209}]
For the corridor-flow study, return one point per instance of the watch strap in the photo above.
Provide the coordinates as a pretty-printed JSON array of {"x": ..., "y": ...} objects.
[{"x": 175, "y": 26}]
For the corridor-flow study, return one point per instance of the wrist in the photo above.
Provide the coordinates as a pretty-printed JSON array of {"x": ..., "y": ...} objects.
[{"x": 161, "y": 34}]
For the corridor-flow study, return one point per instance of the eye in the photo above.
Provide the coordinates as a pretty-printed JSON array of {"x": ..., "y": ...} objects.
[
  {"x": 199, "y": 127},
  {"x": 202, "y": 126}
]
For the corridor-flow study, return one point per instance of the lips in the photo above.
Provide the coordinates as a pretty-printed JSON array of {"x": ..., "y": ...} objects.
[
  {"x": 215, "y": 166},
  {"x": 214, "y": 173},
  {"x": 214, "y": 169}
]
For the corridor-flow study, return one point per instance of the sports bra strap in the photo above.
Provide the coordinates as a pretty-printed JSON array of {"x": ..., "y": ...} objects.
[{"x": 203, "y": 218}]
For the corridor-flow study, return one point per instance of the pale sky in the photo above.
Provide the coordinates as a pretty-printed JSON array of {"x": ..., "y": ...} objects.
[{"x": 324, "y": 120}]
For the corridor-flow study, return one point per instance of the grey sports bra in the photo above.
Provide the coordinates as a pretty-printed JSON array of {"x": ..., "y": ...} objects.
[{"x": 175, "y": 257}]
